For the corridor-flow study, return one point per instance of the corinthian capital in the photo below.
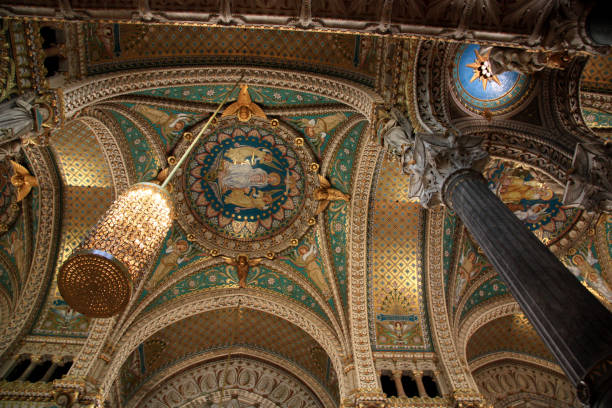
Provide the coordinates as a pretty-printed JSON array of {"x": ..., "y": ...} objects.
[
  {"x": 589, "y": 185},
  {"x": 431, "y": 158}
]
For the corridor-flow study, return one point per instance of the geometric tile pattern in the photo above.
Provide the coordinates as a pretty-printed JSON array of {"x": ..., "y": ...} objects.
[
  {"x": 81, "y": 209},
  {"x": 396, "y": 294},
  {"x": 225, "y": 328},
  {"x": 597, "y": 74},
  {"x": 511, "y": 333},
  {"x": 116, "y": 46},
  {"x": 80, "y": 158}
]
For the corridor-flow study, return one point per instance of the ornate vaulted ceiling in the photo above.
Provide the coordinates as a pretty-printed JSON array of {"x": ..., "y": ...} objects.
[{"x": 340, "y": 259}]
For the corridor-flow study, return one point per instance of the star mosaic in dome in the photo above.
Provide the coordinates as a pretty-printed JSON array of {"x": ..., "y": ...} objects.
[{"x": 482, "y": 69}]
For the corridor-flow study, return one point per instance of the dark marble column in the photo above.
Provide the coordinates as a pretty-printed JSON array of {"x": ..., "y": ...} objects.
[{"x": 574, "y": 325}]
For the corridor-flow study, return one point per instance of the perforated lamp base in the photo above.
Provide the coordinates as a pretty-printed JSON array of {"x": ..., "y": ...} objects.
[{"x": 95, "y": 283}]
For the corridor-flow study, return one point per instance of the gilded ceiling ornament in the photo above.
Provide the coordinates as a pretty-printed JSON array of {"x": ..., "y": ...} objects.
[
  {"x": 326, "y": 194},
  {"x": 243, "y": 264},
  {"x": 22, "y": 180},
  {"x": 244, "y": 108},
  {"x": 482, "y": 69}
]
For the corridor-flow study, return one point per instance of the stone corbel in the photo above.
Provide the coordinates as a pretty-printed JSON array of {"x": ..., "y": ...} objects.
[
  {"x": 72, "y": 393},
  {"x": 589, "y": 184},
  {"x": 370, "y": 399}
]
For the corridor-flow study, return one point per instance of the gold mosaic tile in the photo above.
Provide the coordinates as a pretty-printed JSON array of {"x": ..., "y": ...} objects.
[
  {"x": 80, "y": 157},
  {"x": 511, "y": 333}
]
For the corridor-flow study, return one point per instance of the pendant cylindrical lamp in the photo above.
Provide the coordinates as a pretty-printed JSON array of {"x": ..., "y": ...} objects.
[{"x": 97, "y": 278}]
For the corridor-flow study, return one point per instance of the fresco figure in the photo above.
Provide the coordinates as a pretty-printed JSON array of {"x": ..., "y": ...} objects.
[
  {"x": 318, "y": 129},
  {"x": 176, "y": 252},
  {"x": 170, "y": 124},
  {"x": 584, "y": 265},
  {"x": 308, "y": 259}
]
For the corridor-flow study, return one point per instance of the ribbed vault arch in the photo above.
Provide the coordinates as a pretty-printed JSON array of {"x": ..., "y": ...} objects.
[{"x": 221, "y": 299}]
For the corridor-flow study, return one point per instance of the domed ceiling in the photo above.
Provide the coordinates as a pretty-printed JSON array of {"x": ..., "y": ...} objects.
[{"x": 478, "y": 90}]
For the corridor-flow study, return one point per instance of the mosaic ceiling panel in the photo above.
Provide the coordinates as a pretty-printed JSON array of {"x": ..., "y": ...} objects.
[
  {"x": 80, "y": 158},
  {"x": 590, "y": 260},
  {"x": 225, "y": 276},
  {"x": 471, "y": 264},
  {"x": 111, "y": 47},
  {"x": 87, "y": 192},
  {"x": 533, "y": 198},
  {"x": 340, "y": 176},
  {"x": 81, "y": 208},
  {"x": 221, "y": 329},
  {"x": 597, "y": 74},
  {"x": 396, "y": 301},
  {"x": 511, "y": 333}
]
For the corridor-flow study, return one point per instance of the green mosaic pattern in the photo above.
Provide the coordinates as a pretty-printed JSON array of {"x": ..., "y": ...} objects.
[
  {"x": 260, "y": 95},
  {"x": 225, "y": 276},
  {"x": 492, "y": 288},
  {"x": 145, "y": 162},
  {"x": 340, "y": 176}
]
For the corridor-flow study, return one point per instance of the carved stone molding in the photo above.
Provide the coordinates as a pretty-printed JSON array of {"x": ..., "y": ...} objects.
[
  {"x": 357, "y": 279},
  {"x": 428, "y": 81},
  {"x": 115, "y": 156},
  {"x": 220, "y": 299},
  {"x": 498, "y": 357},
  {"x": 481, "y": 316},
  {"x": 95, "y": 89},
  {"x": 43, "y": 260},
  {"x": 167, "y": 378},
  {"x": 454, "y": 369},
  {"x": 508, "y": 382}
]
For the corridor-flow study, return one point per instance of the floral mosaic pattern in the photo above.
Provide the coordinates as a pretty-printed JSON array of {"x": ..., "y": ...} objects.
[
  {"x": 492, "y": 288},
  {"x": 341, "y": 173},
  {"x": 225, "y": 276},
  {"x": 145, "y": 163},
  {"x": 216, "y": 93}
]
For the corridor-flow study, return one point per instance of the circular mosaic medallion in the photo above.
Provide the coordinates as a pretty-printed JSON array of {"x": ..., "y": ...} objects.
[
  {"x": 245, "y": 188},
  {"x": 478, "y": 90}
]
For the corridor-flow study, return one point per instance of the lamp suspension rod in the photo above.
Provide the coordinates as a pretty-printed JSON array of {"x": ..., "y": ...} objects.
[{"x": 197, "y": 138}]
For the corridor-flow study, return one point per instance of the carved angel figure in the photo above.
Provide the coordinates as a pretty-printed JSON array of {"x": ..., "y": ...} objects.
[
  {"x": 502, "y": 59},
  {"x": 326, "y": 194},
  {"x": 242, "y": 263},
  {"x": 23, "y": 180}
]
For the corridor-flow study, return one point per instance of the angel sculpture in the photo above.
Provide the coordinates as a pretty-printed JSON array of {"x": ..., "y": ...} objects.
[
  {"x": 242, "y": 264},
  {"x": 244, "y": 108},
  {"x": 22, "y": 180},
  {"x": 326, "y": 194}
]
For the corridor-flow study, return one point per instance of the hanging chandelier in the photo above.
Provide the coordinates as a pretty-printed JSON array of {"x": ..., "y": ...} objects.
[{"x": 97, "y": 279}]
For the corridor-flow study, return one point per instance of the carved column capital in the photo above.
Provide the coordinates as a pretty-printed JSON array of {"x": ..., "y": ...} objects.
[{"x": 589, "y": 184}]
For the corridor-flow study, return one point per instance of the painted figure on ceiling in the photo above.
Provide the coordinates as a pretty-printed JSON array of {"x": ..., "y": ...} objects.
[
  {"x": 469, "y": 267},
  {"x": 170, "y": 124},
  {"x": 308, "y": 259},
  {"x": 178, "y": 251},
  {"x": 586, "y": 265},
  {"x": 317, "y": 130}
]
